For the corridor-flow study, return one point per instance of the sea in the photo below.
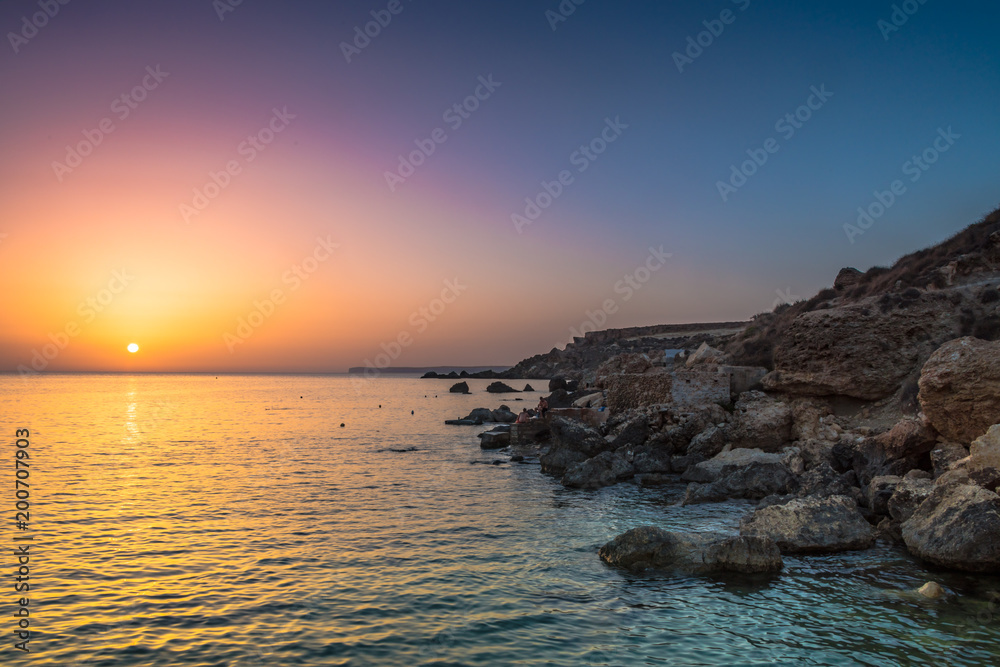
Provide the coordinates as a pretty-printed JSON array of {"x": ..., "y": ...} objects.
[{"x": 250, "y": 520}]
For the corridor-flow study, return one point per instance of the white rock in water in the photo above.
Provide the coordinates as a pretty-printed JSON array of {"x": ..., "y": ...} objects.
[{"x": 931, "y": 590}]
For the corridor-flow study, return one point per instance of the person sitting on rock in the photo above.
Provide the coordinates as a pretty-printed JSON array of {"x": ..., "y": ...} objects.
[
  {"x": 543, "y": 407},
  {"x": 523, "y": 417}
]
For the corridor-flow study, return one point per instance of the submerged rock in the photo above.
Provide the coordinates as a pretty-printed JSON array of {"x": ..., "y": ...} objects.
[
  {"x": 652, "y": 547},
  {"x": 812, "y": 525}
]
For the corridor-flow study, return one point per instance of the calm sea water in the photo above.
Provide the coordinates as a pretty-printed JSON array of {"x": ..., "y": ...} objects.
[{"x": 194, "y": 520}]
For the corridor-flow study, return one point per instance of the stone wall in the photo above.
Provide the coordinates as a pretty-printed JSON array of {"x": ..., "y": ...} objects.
[
  {"x": 697, "y": 387},
  {"x": 682, "y": 389},
  {"x": 628, "y": 391}
]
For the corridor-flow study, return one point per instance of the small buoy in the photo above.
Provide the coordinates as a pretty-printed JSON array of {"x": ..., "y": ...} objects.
[
  {"x": 380, "y": 405},
  {"x": 411, "y": 412},
  {"x": 341, "y": 426}
]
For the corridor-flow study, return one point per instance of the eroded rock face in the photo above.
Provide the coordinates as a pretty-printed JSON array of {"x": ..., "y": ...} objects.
[
  {"x": 651, "y": 547},
  {"x": 958, "y": 527},
  {"x": 960, "y": 388},
  {"x": 857, "y": 349},
  {"x": 812, "y": 525}
]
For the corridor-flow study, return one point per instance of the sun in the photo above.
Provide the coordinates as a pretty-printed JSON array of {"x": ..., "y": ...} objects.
[{"x": 133, "y": 348}]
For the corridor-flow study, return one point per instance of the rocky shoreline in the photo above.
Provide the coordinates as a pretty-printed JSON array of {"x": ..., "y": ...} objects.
[{"x": 868, "y": 413}]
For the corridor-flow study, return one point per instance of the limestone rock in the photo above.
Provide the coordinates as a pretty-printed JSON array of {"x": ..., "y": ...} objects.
[
  {"x": 945, "y": 455},
  {"x": 879, "y": 491},
  {"x": 709, "y": 442},
  {"x": 460, "y": 388},
  {"x": 651, "y": 547},
  {"x": 605, "y": 469},
  {"x": 590, "y": 400},
  {"x": 712, "y": 469},
  {"x": 570, "y": 442},
  {"x": 863, "y": 349},
  {"x": 494, "y": 440},
  {"x": 812, "y": 525},
  {"x": 754, "y": 481},
  {"x": 848, "y": 277},
  {"x": 957, "y": 527},
  {"x": 907, "y": 496},
  {"x": 960, "y": 388},
  {"x": 761, "y": 422},
  {"x": 705, "y": 354}
]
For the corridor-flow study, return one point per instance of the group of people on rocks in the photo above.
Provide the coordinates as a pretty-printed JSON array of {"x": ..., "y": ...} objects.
[{"x": 537, "y": 413}]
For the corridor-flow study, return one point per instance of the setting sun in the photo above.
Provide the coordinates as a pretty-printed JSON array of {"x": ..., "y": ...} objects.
[{"x": 133, "y": 348}]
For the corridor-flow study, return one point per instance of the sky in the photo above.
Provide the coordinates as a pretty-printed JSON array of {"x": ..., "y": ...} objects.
[{"x": 305, "y": 186}]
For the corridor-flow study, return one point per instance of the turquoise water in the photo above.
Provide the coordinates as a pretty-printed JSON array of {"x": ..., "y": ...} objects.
[{"x": 189, "y": 520}]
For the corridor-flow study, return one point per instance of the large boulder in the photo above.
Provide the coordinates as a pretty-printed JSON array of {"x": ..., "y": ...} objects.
[
  {"x": 709, "y": 442},
  {"x": 713, "y": 469},
  {"x": 649, "y": 547},
  {"x": 761, "y": 422},
  {"x": 907, "y": 439},
  {"x": 631, "y": 433},
  {"x": 705, "y": 354},
  {"x": 812, "y": 525},
  {"x": 460, "y": 388},
  {"x": 754, "y": 481},
  {"x": 960, "y": 388},
  {"x": 848, "y": 277},
  {"x": 494, "y": 439},
  {"x": 958, "y": 527},
  {"x": 605, "y": 469},
  {"x": 480, "y": 415},
  {"x": 503, "y": 415},
  {"x": 570, "y": 442}
]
